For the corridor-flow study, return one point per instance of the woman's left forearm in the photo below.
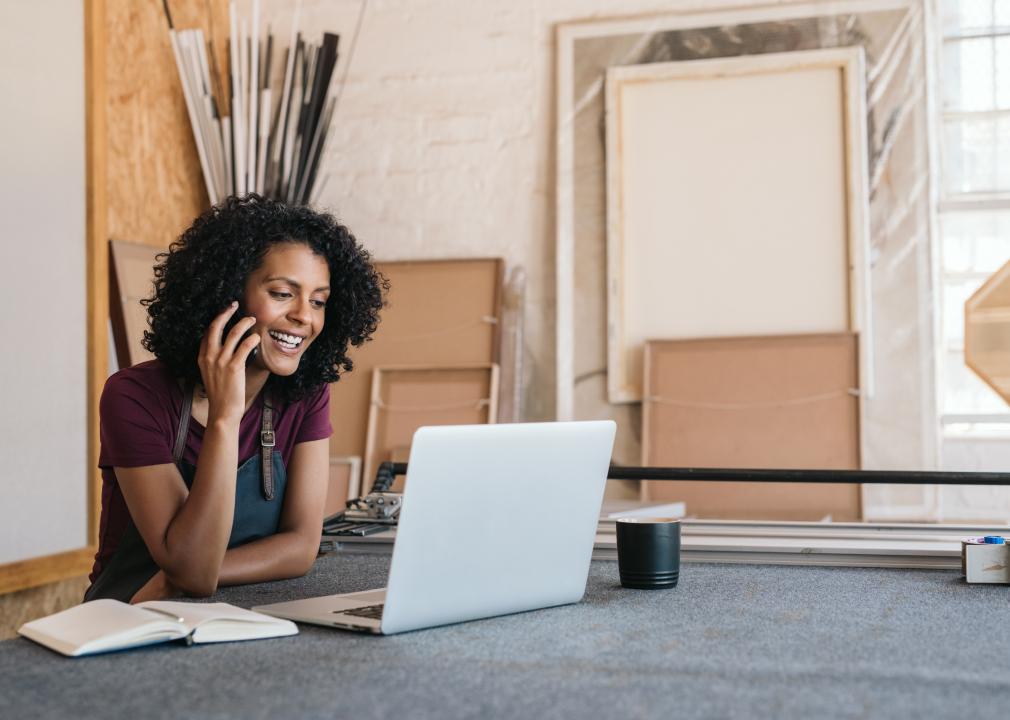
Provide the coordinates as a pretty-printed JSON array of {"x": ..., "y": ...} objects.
[{"x": 277, "y": 557}]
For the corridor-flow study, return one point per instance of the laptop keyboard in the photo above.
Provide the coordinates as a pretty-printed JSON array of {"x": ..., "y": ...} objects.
[{"x": 374, "y": 612}]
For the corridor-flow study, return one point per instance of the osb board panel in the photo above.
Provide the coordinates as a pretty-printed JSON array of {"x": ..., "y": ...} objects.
[
  {"x": 155, "y": 186},
  {"x": 439, "y": 312},
  {"x": 17, "y": 608},
  {"x": 405, "y": 398},
  {"x": 763, "y": 402},
  {"x": 132, "y": 279}
]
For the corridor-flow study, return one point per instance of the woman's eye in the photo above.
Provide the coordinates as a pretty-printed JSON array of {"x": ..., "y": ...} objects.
[
  {"x": 280, "y": 295},
  {"x": 320, "y": 304}
]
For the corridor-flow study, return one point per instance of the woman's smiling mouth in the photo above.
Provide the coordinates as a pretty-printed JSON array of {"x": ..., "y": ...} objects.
[{"x": 288, "y": 343}]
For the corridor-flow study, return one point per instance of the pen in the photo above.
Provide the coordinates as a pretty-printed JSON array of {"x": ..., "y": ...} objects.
[{"x": 167, "y": 614}]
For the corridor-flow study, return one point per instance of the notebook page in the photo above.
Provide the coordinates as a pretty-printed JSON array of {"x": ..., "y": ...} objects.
[
  {"x": 220, "y": 622},
  {"x": 100, "y": 625}
]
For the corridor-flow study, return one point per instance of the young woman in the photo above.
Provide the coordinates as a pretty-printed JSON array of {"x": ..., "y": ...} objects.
[{"x": 253, "y": 310}]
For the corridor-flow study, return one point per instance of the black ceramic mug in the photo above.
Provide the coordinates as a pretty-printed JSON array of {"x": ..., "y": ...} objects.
[{"x": 648, "y": 552}]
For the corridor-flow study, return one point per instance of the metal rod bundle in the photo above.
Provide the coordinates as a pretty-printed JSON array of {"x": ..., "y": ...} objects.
[{"x": 272, "y": 139}]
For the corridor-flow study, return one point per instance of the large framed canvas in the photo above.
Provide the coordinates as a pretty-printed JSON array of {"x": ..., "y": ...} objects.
[{"x": 736, "y": 203}]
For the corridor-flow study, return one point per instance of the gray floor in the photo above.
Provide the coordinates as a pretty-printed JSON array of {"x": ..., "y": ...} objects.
[{"x": 730, "y": 641}]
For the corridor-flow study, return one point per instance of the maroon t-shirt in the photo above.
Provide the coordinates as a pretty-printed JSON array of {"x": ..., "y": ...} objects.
[{"x": 139, "y": 413}]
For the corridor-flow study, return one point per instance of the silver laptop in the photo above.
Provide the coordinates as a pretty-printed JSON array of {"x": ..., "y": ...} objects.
[{"x": 496, "y": 519}]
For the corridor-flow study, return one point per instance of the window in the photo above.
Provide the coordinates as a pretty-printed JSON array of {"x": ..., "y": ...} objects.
[{"x": 974, "y": 211}]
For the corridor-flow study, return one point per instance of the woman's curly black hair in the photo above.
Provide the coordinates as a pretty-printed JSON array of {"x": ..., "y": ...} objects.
[{"x": 206, "y": 269}]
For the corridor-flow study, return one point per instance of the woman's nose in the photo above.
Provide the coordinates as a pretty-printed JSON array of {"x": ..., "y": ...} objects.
[{"x": 301, "y": 311}]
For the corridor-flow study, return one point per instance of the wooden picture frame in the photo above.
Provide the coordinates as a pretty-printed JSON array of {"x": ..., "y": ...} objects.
[
  {"x": 677, "y": 254},
  {"x": 405, "y": 397}
]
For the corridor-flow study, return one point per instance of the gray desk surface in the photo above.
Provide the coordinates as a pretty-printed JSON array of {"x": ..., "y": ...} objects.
[{"x": 730, "y": 641}]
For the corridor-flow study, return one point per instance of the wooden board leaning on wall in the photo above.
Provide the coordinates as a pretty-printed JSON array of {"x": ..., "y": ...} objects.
[
  {"x": 440, "y": 312},
  {"x": 755, "y": 402}
]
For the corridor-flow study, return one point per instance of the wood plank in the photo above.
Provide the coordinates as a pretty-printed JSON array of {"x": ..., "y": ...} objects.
[
  {"x": 96, "y": 154},
  {"x": 43, "y": 570}
]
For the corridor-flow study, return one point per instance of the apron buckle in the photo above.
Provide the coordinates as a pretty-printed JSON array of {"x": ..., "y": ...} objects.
[{"x": 267, "y": 438}]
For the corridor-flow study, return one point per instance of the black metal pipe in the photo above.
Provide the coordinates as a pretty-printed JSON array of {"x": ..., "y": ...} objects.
[{"x": 859, "y": 477}]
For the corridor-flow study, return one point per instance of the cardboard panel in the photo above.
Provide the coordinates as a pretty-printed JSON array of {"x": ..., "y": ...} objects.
[
  {"x": 440, "y": 312},
  {"x": 131, "y": 279},
  {"x": 405, "y": 398},
  {"x": 763, "y": 402}
]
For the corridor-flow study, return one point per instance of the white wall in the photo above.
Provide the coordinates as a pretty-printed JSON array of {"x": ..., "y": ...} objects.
[{"x": 43, "y": 472}]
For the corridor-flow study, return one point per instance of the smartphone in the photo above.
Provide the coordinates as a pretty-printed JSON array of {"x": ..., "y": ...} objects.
[{"x": 232, "y": 321}]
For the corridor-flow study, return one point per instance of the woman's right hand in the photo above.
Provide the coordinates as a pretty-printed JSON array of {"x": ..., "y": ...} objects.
[{"x": 222, "y": 362}]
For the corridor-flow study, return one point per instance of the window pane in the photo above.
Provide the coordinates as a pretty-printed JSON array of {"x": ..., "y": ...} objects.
[
  {"x": 964, "y": 391},
  {"x": 1002, "y": 10},
  {"x": 1001, "y": 68},
  {"x": 976, "y": 160},
  {"x": 997, "y": 430},
  {"x": 958, "y": 254},
  {"x": 976, "y": 155},
  {"x": 955, "y": 294},
  {"x": 968, "y": 82},
  {"x": 960, "y": 15},
  {"x": 975, "y": 241}
]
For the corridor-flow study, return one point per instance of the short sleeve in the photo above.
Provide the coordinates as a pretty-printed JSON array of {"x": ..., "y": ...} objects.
[
  {"x": 316, "y": 420},
  {"x": 135, "y": 426}
]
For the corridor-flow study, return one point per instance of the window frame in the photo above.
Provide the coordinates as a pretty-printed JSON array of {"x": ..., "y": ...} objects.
[{"x": 947, "y": 204}]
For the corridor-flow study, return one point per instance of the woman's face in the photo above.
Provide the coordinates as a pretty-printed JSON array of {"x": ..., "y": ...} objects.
[{"x": 287, "y": 295}]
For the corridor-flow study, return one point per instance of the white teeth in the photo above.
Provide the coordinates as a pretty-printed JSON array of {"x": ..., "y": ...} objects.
[{"x": 291, "y": 341}]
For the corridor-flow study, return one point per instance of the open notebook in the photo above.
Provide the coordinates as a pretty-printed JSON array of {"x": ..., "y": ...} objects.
[{"x": 105, "y": 625}]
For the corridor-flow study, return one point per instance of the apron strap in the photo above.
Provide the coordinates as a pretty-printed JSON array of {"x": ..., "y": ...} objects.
[
  {"x": 267, "y": 442},
  {"x": 187, "y": 411},
  {"x": 267, "y": 439}
]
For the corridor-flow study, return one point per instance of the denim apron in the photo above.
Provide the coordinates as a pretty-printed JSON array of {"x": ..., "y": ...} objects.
[{"x": 259, "y": 497}]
